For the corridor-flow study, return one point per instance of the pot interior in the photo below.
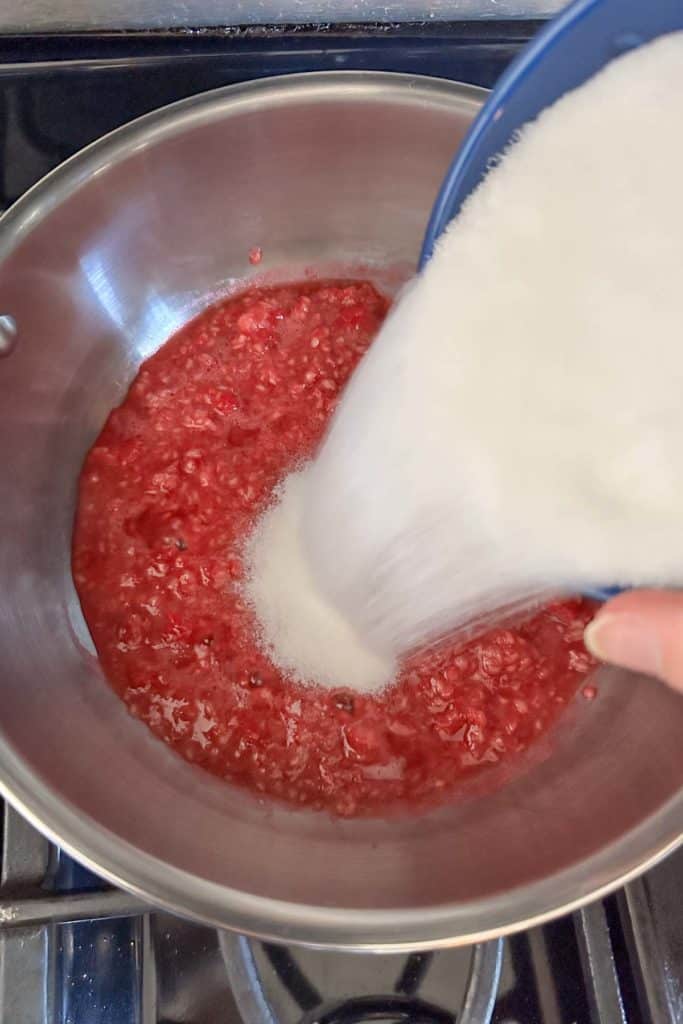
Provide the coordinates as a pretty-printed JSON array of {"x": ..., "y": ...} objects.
[{"x": 101, "y": 264}]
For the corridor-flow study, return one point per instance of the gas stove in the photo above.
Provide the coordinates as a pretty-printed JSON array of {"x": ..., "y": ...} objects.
[{"x": 72, "y": 949}]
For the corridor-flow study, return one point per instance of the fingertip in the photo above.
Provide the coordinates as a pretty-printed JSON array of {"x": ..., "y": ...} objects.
[
  {"x": 624, "y": 639},
  {"x": 592, "y": 636}
]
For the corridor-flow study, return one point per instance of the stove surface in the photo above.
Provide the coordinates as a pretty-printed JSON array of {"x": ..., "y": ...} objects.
[
  {"x": 73, "y": 951},
  {"x": 619, "y": 961}
]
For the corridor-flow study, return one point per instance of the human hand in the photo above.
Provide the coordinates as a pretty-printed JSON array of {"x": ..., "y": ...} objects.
[{"x": 641, "y": 630}]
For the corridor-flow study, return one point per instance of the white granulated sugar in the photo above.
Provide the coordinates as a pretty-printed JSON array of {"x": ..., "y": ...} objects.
[
  {"x": 517, "y": 426},
  {"x": 304, "y": 635},
  {"x": 518, "y": 423}
]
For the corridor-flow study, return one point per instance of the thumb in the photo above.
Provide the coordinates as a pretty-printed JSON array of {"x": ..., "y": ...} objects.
[{"x": 641, "y": 630}]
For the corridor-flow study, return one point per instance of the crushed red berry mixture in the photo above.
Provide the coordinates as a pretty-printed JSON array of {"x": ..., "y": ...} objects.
[{"x": 168, "y": 495}]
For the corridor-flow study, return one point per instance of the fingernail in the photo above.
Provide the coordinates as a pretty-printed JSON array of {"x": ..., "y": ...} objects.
[{"x": 624, "y": 640}]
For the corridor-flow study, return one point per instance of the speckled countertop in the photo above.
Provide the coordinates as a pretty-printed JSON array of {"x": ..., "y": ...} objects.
[{"x": 78, "y": 15}]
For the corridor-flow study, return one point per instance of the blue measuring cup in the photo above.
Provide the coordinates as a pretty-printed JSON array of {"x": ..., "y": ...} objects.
[{"x": 566, "y": 53}]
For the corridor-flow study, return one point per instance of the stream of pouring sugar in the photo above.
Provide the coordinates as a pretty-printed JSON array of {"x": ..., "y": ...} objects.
[{"x": 517, "y": 425}]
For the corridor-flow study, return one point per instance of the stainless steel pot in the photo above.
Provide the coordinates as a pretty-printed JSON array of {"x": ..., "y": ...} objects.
[{"x": 99, "y": 263}]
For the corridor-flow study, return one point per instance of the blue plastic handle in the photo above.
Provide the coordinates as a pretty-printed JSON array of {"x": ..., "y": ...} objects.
[{"x": 566, "y": 53}]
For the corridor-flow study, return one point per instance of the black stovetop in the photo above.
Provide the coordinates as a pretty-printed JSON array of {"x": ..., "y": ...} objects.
[{"x": 57, "y": 93}]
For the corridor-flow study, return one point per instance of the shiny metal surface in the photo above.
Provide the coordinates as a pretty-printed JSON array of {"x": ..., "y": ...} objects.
[
  {"x": 24, "y": 956},
  {"x": 74, "y": 15},
  {"x": 8, "y": 335},
  {"x": 599, "y": 966},
  {"x": 155, "y": 968},
  {"x": 99, "y": 263},
  {"x": 317, "y": 982},
  {"x": 652, "y": 916},
  {"x": 46, "y": 909}
]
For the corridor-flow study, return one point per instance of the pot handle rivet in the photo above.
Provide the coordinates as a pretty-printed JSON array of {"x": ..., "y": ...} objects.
[{"x": 8, "y": 335}]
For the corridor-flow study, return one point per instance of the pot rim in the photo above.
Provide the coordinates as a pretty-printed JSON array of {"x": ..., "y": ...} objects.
[{"x": 178, "y": 891}]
